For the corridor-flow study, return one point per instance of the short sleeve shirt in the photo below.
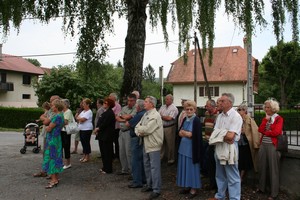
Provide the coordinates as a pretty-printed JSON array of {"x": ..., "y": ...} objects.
[{"x": 230, "y": 121}]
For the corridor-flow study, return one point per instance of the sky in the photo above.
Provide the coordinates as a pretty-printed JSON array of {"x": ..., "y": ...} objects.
[{"x": 35, "y": 38}]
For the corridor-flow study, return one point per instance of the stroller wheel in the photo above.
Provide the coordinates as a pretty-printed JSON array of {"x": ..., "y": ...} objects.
[
  {"x": 35, "y": 150},
  {"x": 22, "y": 151}
]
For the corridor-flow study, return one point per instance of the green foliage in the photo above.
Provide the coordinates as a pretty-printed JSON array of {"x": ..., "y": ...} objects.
[
  {"x": 150, "y": 89},
  {"x": 92, "y": 19},
  {"x": 149, "y": 74},
  {"x": 279, "y": 74},
  {"x": 18, "y": 117},
  {"x": 67, "y": 83},
  {"x": 34, "y": 62},
  {"x": 291, "y": 118}
]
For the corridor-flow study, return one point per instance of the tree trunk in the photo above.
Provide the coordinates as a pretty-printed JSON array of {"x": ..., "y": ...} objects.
[{"x": 134, "y": 47}]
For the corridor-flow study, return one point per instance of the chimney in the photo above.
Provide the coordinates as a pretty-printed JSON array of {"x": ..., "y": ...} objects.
[{"x": 1, "y": 52}]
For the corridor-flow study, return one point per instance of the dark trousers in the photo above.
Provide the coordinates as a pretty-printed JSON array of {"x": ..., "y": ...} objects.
[
  {"x": 116, "y": 142},
  {"x": 66, "y": 144},
  {"x": 137, "y": 163},
  {"x": 106, "y": 149},
  {"x": 211, "y": 164},
  {"x": 85, "y": 138}
]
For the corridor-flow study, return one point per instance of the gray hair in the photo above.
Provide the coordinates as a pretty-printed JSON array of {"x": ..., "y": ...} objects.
[
  {"x": 152, "y": 100},
  {"x": 211, "y": 102},
  {"x": 66, "y": 102},
  {"x": 114, "y": 95},
  {"x": 140, "y": 103},
  {"x": 170, "y": 95},
  {"x": 229, "y": 96},
  {"x": 273, "y": 104},
  {"x": 137, "y": 94}
]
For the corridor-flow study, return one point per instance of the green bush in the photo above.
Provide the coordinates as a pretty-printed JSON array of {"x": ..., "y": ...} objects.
[
  {"x": 18, "y": 117},
  {"x": 291, "y": 119}
]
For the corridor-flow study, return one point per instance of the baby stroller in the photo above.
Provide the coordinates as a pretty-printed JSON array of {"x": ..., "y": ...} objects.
[{"x": 31, "y": 138}]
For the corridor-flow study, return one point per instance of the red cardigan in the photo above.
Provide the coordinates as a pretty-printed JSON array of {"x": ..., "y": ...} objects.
[{"x": 275, "y": 129}]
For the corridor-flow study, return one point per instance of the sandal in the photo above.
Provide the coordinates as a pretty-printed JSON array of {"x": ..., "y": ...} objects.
[
  {"x": 40, "y": 174},
  {"x": 84, "y": 160},
  {"x": 51, "y": 185}
]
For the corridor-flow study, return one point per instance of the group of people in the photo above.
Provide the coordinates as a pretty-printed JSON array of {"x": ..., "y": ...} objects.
[
  {"x": 142, "y": 137},
  {"x": 234, "y": 144}
]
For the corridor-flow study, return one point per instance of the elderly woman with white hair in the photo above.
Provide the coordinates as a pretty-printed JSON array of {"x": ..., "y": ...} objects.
[
  {"x": 66, "y": 138},
  {"x": 269, "y": 158}
]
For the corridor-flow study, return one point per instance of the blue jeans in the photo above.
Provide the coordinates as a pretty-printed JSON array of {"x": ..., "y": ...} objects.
[
  {"x": 227, "y": 176},
  {"x": 152, "y": 170},
  {"x": 137, "y": 164}
]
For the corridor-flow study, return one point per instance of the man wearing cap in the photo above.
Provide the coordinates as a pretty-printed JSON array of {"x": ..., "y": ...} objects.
[{"x": 168, "y": 113}]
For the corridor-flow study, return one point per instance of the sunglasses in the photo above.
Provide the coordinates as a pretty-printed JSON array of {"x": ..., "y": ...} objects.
[{"x": 240, "y": 109}]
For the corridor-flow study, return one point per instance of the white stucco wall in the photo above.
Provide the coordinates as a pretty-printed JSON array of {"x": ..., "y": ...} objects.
[
  {"x": 239, "y": 91},
  {"x": 15, "y": 98}
]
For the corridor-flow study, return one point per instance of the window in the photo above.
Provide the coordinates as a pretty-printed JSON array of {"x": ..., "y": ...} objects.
[
  {"x": 214, "y": 91},
  {"x": 26, "y": 96},
  {"x": 26, "y": 79},
  {"x": 2, "y": 77}
]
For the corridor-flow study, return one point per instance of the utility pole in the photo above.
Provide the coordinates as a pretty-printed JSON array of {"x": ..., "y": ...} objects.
[
  {"x": 161, "y": 78},
  {"x": 195, "y": 69}
]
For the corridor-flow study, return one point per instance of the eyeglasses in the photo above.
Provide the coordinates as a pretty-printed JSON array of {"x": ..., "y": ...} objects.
[{"x": 240, "y": 109}]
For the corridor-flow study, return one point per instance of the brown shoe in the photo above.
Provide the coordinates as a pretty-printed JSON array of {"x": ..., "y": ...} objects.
[
  {"x": 40, "y": 174},
  {"x": 213, "y": 198}
]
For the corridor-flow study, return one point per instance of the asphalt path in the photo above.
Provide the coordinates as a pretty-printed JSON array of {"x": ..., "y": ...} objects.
[{"x": 82, "y": 180}]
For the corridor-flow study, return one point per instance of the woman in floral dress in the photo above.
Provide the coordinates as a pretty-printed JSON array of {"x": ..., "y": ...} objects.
[{"x": 53, "y": 162}]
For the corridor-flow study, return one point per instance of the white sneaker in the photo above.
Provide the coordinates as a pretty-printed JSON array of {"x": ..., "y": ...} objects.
[{"x": 67, "y": 166}]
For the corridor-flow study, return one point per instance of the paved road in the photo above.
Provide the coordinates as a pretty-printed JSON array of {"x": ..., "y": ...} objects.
[{"x": 82, "y": 181}]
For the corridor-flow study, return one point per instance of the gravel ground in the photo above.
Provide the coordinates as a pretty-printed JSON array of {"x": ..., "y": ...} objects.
[{"x": 82, "y": 181}]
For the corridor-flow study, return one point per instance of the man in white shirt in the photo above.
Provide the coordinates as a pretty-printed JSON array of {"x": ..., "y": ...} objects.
[{"x": 227, "y": 176}]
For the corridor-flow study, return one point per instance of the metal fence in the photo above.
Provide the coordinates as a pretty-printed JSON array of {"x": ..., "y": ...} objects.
[
  {"x": 291, "y": 118},
  {"x": 291, "y": 125}
]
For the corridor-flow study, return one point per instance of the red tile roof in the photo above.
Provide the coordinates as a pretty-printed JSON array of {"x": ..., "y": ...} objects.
[
  {"x": 229, "y": 65},
  {"x": 18, "y": 64},
  {"x": 46, "y": 70}
]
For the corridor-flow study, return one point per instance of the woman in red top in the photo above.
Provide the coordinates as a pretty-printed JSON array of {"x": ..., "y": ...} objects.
[{"x": 269, "y": 158}]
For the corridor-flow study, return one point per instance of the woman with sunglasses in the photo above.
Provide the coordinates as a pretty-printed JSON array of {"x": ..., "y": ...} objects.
[{"x": 248, "y": 144}]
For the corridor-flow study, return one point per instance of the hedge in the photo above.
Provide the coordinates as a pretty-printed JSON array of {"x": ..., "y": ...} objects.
[{"x": 18, "y": 117}]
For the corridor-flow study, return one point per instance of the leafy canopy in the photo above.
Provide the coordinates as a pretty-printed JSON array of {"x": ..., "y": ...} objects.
[
  {"x": 279, "y": 73},
  {"x": 92, "y": 18}
]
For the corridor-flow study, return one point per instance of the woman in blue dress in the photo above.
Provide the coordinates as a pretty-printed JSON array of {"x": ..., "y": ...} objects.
[
  {"x": 189, "y": 153},
  {"x": 53, "y": 162}
]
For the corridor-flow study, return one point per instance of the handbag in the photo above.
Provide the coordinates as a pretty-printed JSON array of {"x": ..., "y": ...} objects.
[
  {"x": 282, "y": 142},
  {"x": 72, "y": 128}
]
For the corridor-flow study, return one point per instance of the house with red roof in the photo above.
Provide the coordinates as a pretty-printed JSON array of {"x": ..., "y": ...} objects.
[
  {"x": 16, "y": 77},
  {"x": 228, "y": 73}
]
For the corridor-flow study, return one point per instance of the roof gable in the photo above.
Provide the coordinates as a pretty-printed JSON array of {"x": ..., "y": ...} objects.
[
  {"x": 18, "y": 64},
  {"x": 229, "y": 64}
]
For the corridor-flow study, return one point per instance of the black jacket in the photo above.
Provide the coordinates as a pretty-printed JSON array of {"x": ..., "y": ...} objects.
[
  {"x": 196, "y": 140},
  {"x": 106, "y": 124}
]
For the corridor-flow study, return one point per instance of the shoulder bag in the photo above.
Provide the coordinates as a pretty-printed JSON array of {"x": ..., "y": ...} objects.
[{"x": 282, "y": 142}]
